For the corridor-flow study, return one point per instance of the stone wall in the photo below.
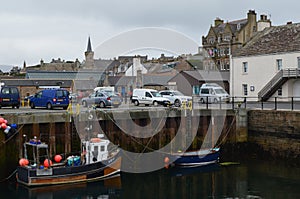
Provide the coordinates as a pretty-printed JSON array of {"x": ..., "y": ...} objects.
[{"x": 276, "y": 133}]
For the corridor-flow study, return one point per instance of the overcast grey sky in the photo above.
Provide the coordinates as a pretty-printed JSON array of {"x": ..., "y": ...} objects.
[{"x": 32, "y": 30}]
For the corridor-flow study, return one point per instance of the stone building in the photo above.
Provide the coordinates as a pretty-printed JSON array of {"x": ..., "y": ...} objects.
[{"x": 224, "y": 38}]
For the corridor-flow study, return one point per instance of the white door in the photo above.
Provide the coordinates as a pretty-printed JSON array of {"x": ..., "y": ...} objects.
[{"x": 296, "y": 90}]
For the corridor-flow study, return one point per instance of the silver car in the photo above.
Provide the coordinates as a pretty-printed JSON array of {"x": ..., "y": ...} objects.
[
  {"x": 102, "y": 99},
  {"x": 176, "y": 97}
]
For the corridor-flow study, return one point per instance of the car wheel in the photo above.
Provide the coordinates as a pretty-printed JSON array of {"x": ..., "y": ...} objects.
[
  {"x": 102, "y": 105},
  {"x": 155, "y": 103},
  {"x": 202, "y": 101},
  {"x": 136, "y": 102},
  {"x": 32, "y": 105},
  {"x": 18, "y": 107},
  {"x": 216, "y": 100},
  {"x": 84, "y": 103},
  {"x": 49, "y": 106},
  {"x": 177, "y": 103}
]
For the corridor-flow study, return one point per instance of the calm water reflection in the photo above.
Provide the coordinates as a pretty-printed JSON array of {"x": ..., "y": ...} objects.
[{"x": 253, "y": 179}]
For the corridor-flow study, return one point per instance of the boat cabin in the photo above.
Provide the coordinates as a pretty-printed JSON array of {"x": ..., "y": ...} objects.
[{"x": 95, "y": 150}]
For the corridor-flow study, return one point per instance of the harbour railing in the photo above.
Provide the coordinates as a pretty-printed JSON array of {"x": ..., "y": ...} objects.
[{"x": 236, "y": 102}]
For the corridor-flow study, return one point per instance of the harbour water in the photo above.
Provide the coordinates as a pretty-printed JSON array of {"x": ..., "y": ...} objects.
[{"x": 247, "y": 179}]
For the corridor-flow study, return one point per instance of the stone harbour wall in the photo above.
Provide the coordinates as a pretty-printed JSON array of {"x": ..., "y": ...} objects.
[{"x": 275, "y": 133}]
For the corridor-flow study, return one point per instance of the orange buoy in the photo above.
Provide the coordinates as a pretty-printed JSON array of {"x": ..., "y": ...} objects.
[
  {"x": 23, "y": 162},
  {"x": 46, "y": 163},
  {"x": 166, "y": 160},
  {"x": 57, "y": 158},
  {"x": 3, "y": 126}
]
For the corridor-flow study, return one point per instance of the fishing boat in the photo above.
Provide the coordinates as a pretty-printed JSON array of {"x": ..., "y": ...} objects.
[
  {"x": 97, "y": 161},
  {"x": 193, "y": 158}
]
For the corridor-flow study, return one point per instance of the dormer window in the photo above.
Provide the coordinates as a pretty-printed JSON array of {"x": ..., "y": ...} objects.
[
  {"x": 238, "y": 26},
  {"x": 227, "y": 38}
]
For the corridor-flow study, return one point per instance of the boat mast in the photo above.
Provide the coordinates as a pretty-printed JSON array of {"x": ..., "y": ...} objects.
[{"x": 88, "y": 130}]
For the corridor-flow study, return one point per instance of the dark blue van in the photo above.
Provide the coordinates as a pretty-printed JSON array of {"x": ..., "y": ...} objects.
[
  {"x": 9, "y": 96},
  {"x": 50, "y": 98}
]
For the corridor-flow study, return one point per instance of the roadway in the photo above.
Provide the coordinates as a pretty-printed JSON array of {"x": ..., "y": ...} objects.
[{"x": 248, "y": 105}]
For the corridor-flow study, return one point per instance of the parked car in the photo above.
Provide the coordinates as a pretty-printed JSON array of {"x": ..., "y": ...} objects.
[
  {"x": 50, "y": 98},
  {"x": 148, "y": 97},
  {"x": 176, "y": 97},
  {"x": 213, "y": 93},
  {"x": 73, "y": 97},
  {"x": 102, "y": 99},
  {"x": 9, "y": 96}
]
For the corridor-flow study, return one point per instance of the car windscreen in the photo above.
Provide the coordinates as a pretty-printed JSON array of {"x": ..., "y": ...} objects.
[
  {"x": 155, "y": 94},
  {"x": 110, "y": 93},
  {"x": 220, "y": 91},
  {"x": 177, "y": 93},
  {"x": 61, "y": 93}
]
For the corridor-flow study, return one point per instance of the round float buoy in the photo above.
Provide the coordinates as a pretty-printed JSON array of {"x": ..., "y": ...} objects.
[
  {"x": 46, "y": 163},
  {"x": 3, "y": 126},
  {"x": 166, "y": 161},
  {"x": 23, "y": 162},
  {"x": 57, "y": 158},
  {"x": 1, "y": 120}
]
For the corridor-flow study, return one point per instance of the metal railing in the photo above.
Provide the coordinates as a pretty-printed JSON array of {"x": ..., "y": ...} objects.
[
  {"x": 274, "y": 103},
  {"x": 277, "y": 79}
]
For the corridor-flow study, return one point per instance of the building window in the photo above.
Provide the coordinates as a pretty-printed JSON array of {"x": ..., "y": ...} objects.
[
  {"x": 196, "y": 90},
  {"x": 227, "y": 38},
  {"x": 279, "y": 64},
  {"x": 211, "y": 40},
  {"x": 245, "y": 67},
  {"x": 245, "y": 89},
  {"x": 279, "y": 91}
]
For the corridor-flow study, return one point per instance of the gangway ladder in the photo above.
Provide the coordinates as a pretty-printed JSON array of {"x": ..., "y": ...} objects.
[{"x": 189, "y": 135}]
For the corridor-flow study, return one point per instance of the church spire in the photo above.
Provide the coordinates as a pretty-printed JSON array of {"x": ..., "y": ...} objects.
[
  {"x": 89, "y": 46},
  {"x": 89, "y": 56}
]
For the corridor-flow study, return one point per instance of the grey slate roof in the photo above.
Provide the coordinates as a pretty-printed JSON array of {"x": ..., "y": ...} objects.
[
  {"x": 156, "y": 79},
  {"x": 233, "y": 25},
  {"x": 37, "y": 82},
  {"x": 63, "y": 75},
  {"x": 276, "y": 39},
  {"x": 103, "y": 64},
  {"x": 204, "y": 75}
]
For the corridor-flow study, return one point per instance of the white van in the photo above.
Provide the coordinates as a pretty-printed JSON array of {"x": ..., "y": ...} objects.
[
  {"x": 148, "y": 97},
  {"x": 213, "y": 93},
  {"x": 105, "y": 89}
]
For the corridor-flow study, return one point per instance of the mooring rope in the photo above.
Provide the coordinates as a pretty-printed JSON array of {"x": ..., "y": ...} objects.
[
  {"x": 5, "y": 179},
  {"x": 17, "y": 132}
]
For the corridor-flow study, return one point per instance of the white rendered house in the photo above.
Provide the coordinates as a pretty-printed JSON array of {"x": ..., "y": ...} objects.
[{"x": 268, "y": 66}]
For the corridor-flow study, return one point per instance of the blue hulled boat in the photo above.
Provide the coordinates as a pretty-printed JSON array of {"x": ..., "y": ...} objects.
[{"x": 193, "y": 158}]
